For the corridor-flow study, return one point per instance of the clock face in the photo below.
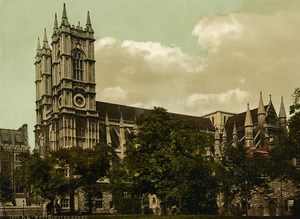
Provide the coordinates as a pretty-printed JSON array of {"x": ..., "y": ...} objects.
[{"x": 79, "y": 100}]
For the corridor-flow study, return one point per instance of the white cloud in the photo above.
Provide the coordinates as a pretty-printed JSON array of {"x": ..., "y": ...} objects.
[
  {"x": 212, "y": 31},
  {"x": 199, "y": 99},
  {"x": 114, "y": 95},
  {"x": 251, "y": 53}
]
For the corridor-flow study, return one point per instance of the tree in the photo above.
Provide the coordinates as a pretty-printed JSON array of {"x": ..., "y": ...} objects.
[
  {"x": 6, "y": 192},
  {"x": 165, "y": 158},
  {"x": 241, "y": 175},
  {"x": 41, "y": 177},
  {"x": 86, "y": 167}
]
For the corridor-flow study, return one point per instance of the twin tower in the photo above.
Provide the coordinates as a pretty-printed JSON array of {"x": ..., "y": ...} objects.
[{"x": 65, "y": 88}]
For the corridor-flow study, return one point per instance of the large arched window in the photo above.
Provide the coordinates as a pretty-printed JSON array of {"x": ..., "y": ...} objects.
[{"x": 77, "y": 66}]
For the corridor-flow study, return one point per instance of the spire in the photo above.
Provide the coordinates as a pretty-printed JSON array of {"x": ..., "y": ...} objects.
[
  {"x": 55, "y": 28},
  {"x": 234, "y": 134},
  {"x": 261, "y": 107},
  {"x": 64, "y": 19},
  {"x": 88, "y": 23},
  {"x": 64, "y": 14},
  {"x": 45, "y": 40},
  {"x": 234, "y": 129},
  {"x": 38, "y": 45},
  {"x": 282, "y": 113},
  {"x": 88, "y": 19},
  {"x": 248, "y": 118}
]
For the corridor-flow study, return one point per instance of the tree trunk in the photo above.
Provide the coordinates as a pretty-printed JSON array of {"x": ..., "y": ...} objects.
[
  {"x": 163, "y": 209},
  {"x": 72, "y": 202},
  {"x": 90, "y": 203}
]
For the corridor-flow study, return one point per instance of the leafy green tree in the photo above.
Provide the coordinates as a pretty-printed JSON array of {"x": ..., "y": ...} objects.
[
  {"x": 86, "y": 167},
  {"x": 41, "y": 177},
  {"x": 242, "y": 175},
  {"x": 165, "y": 158},
  {"x": 6, "y": 192}
]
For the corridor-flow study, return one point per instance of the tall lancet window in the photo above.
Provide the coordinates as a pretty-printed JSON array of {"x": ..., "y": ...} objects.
[{"x": 77, "y": 66}]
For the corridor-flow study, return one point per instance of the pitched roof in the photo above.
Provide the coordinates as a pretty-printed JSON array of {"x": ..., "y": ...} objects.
[
  {"x": 12, "y": 137},
  {"x": 130, "y": 114}
]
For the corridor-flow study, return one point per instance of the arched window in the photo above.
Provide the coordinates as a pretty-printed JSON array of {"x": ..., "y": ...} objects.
[{"x": 77, "y": 66}]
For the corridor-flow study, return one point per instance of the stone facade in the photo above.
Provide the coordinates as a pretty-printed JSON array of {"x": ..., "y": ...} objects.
[
  {"x": 12, "y": 144},
  {"x": 67, "y": 113}
]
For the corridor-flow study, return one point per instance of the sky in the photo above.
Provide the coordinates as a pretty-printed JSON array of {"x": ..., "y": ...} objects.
[{"x": 191, "y": 57}]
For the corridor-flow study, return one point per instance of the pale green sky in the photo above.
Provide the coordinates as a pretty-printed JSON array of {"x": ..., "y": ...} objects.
[{"x": 194, "y": 70}]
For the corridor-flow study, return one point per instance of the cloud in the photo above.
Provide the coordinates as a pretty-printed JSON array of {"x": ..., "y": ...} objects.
[
  {"x": 205, "y": 102},
  {"x": 114, "y": 94},
  {"x": 211, "y": 32},
  {"x": 246, "y": 53}
]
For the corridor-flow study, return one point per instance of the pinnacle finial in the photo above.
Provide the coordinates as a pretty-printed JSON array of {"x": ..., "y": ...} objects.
[
  {"x": 248, "y": 118},
  {"x": 261, "y": 107},
  {"x": 55, "y": 22},
  {"x": 45, "y": 40},
  {"x": 234, "y": 129},
  {"x": 282, "y": 113},
  {"x": 64, "y": 14},
  {"x": 64, "y": 18},
  {"x": 88, "y": 19},
  {"x": 38, "y": 44},
  {"x": 45, "y": 36},
  {"x": 88, "y": 23},
  {"x": 270, "y": 97}
]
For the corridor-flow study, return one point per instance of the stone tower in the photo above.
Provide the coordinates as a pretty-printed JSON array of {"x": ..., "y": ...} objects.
[{"x": 65, "y": 88}]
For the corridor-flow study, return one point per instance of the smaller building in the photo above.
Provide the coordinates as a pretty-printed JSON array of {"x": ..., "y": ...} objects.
[{"x": 12, "y": 144}]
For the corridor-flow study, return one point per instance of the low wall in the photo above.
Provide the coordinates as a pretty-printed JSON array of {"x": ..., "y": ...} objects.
[{"x": 13, "y": 211}]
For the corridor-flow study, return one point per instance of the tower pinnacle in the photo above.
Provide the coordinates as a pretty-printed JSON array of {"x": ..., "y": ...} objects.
[
  {"x": 55, "y": 28},
  {"x": 64, "y": 19},
  {"x": 248, "y": 118},
  {"x": 282, "y": 113},
  {"x": 261, "y": 107},
  {"x": 88, "y": 23},
  {"x": 45, "y": 40}
]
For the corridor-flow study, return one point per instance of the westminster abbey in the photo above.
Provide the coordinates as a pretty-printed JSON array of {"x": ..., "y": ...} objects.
[{"x": 67, "y": 113}]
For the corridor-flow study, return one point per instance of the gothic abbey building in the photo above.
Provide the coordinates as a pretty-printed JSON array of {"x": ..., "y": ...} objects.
[{"x": 67, "y": 113}]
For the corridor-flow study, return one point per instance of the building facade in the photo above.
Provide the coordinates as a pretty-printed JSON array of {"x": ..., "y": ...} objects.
[{"x": 13, "y": 143}]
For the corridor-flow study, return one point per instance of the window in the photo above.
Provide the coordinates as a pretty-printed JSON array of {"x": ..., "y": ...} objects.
[
  {"x": 80, "y": 128},
  {"x": 65, "y": 203},
  {"x": 213, "y": 120},
  {"x": 77, "y": 66},
  {"x": 99, "y": 204}
]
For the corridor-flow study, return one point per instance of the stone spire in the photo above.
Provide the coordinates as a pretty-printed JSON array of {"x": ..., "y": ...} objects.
[
  {"x": 64, "y": 19},
  {"x": 45, "y": 40},
  {"x": 234, "y": 134},
  {"x": 248, "y": 128},
  {"x": 282, "y": 113},
  {"x": 282, "y": 116},
  {"x": 248, "y": 118},
  {"x": 38, "y": 48},
  {"x": 88, "y": 23},
  {"x": 55, "y": 27},
  {"x": 261, "y": 112}
]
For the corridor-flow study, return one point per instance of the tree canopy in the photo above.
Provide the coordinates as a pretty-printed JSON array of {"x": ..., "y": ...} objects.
[{"x": 165, "y": 158}]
